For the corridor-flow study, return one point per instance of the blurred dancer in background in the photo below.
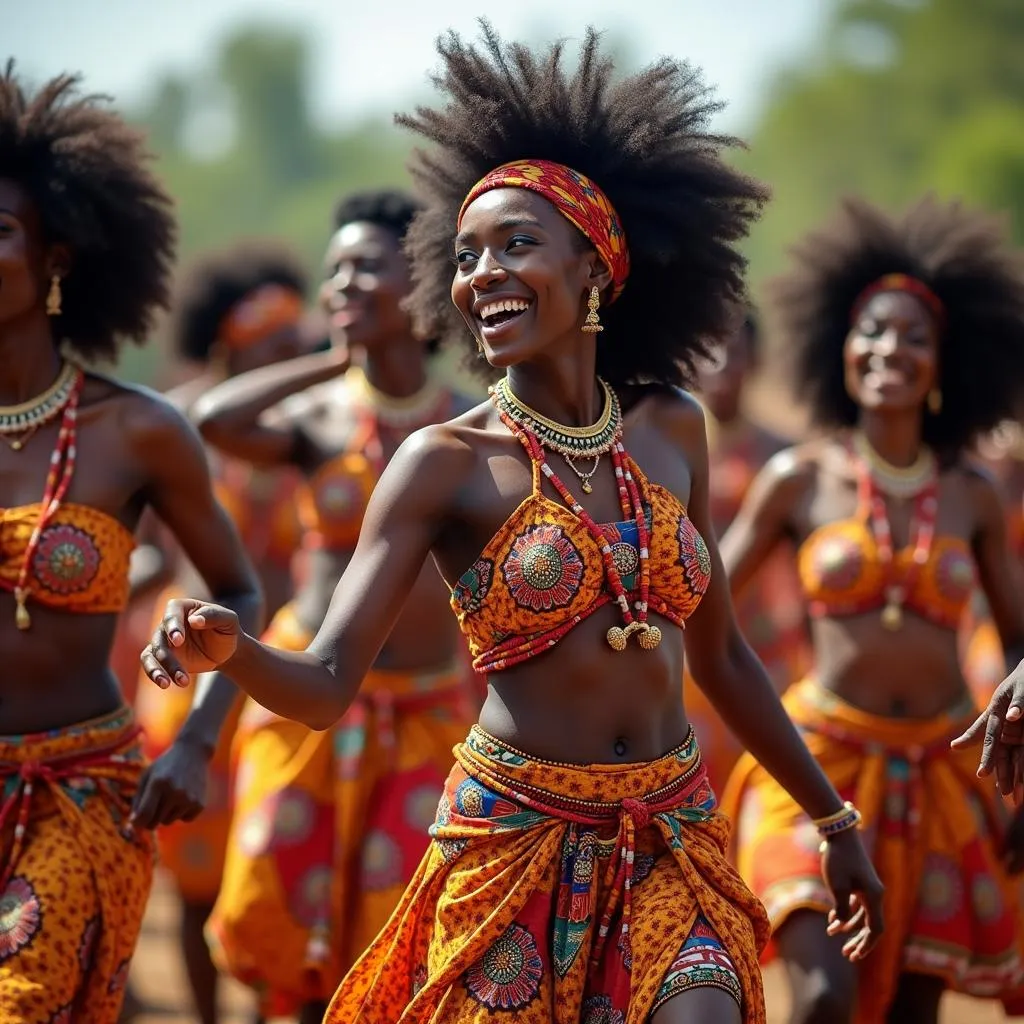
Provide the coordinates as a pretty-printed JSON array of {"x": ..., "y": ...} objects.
[
  {"x": 908, "y": 334},
  {"x": 86, "y": 244},
  {"x": 236, "y": 310},
  {"x": 329, "y": 826},
  {"x": 771, "y": 611}
]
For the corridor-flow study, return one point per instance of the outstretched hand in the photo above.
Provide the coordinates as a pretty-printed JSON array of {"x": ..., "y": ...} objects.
[
  {"x": 1001, "y": 727},
  {"x": 194, "y": 637},
  {"x": 856, "y": 891}
]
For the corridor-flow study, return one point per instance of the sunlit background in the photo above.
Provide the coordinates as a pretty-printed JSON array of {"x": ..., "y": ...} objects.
[{"x": 263, "y": 112}]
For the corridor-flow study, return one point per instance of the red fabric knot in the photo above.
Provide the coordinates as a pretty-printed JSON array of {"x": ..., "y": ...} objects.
[{"x": 638, "y": 811}]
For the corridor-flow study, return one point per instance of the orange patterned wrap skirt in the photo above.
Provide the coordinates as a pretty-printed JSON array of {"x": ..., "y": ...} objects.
[
  {"x": 75, "y": 879},
  {"x": 563, "y": 894},
  {"x": 328, "y": 828},
  {"x": 934, "y": 829}
]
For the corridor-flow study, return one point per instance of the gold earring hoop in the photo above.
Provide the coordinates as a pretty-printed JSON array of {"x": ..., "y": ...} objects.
[
  {"x": 935, "y": 401},
  {"x": 592, "y": 324},
  {"x": 53, "y": 297}
]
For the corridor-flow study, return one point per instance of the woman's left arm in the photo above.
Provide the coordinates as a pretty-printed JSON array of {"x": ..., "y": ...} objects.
[
  {"x": 1001, "y": 724},
  {"x": 735, "y": 681},
  {"x": 180, "y": 493}
]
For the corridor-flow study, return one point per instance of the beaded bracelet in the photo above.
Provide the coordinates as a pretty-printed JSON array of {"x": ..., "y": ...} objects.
[{"x": 844, "y": 819}]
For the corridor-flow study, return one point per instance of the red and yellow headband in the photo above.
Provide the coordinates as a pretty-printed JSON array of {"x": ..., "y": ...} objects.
[
  {"x": 262, "y": 312},
  {"x": 576, "y": 197},
  {"x": 901, "y": 283}
]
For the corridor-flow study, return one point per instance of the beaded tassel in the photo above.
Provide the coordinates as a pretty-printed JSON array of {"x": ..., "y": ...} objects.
[{"x": 58, "y": 480}]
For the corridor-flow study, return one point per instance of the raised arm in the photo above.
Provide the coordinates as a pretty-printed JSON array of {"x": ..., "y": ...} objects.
[
  {"x": 763, "y": 519},
  {"x": 237, "y": 416},
  {"x": 728, "y": 671},
  {"x": 410, "y": 505}
]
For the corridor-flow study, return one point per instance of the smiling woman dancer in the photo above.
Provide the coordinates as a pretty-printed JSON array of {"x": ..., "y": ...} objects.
[
  {"x": 909, "y": 336},
  {"x": 578, "y": 870},
  {"x": 86, "y": 241}
]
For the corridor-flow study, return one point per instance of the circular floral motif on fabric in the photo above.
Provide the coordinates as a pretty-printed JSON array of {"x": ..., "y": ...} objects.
[
  {"x": 469, "y": 799},
  {"x": 599, "y": 1010},
  {"x": 986, "y": 899},
  {"x": 382, "y": 861},
  {"x": 421, "y": 807},
  {"x": 626, "y": 558},
  {"x": 474, "y": 585},
  {"x": 87, "y": 943},
  {"x": 20, "y": 916},
  {"x": 293, "y": 817},
  {"x": 954, "y": 575},
  {"x": 942, "y": 891},
  {"x": 508, "y": 975},
  {"x": 67, "y": 560},
  {"x": 543, "y": 569},
  {"x": 837, "y": 562},
  {"x": 313, "y": 894},
  {"x": 694, "y": 556}
]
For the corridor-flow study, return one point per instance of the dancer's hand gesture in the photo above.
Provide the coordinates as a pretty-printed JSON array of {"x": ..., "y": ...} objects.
[
  {"x": 857, "y": 892},
  {"x": 193, "y": 637}
]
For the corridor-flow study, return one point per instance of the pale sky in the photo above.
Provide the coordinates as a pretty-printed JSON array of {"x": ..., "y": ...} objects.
[{"x": 370, "y": 56}]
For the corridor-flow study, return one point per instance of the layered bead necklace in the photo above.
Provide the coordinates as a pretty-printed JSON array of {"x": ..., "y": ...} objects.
[
  {"x": 535, "y": 432},
  {"x": 19, "y": 422},
  {"x": 59, "y": 475},
  {"x": 876, "y": 478}
]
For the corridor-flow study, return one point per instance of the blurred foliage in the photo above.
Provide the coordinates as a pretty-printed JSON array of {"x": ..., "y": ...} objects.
[
  {"x": 902, "y": 97},
  {"x": 899, "y": 97}
]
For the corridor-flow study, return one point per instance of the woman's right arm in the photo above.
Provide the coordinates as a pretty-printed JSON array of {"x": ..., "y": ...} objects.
[
  {"x": 763, "y": 520},
  {"x": 410, "y": 505},
  {"x": 232, "y": 416}
]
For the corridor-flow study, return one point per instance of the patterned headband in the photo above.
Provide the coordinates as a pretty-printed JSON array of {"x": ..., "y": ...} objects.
[
  {"x": 261, "y": 313},
  {"x": 901, "y": 283},
  {"x": 576, "y": 197}
]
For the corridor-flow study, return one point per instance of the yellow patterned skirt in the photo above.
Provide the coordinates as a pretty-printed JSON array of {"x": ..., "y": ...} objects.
[
  {"x": 75, "y": 879},
  {"x": 328, "y": 828},
  {"x": 934, "y": 829},
  {"x": 560, "y": 894}
]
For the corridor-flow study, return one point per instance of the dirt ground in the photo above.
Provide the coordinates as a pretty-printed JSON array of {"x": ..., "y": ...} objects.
[{"x": 157, "y": 977}]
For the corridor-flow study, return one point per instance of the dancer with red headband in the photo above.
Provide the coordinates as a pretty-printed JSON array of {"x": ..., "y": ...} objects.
[
  {"x": 909, "y": 340},
  {"x": 236, "y": 310},
  {"x": 86, "y": 244},
  {"x": 578, "y": 869}
]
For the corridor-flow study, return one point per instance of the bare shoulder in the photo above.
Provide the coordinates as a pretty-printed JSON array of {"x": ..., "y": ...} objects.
[
  {"x": 678, "y": 415},
  {"x": 984, "y": 491},
  {"x": 145, "y": 419}
]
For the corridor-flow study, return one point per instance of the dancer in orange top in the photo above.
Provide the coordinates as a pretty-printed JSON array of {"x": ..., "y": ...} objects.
[
  {"x": 771, "y": 611},
  {"x": 908, "y": 334},
  {"x": 578, "y": 869},
  {"x": 330, "y": 826},
  {"x": 236, "y": 310},
  {"x": 86, "y": 242}
]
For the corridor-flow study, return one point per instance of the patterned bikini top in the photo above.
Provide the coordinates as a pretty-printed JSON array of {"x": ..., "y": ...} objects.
[
  {"x": 843, "y": 574},
  {"x": 542, "y": 574},
  {"x": 81, "y": 564},
  {"x": 262, "y": 506}
]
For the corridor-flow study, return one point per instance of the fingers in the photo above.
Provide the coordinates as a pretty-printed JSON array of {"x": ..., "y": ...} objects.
[
  {"x": 972, "y": 734},
  {"x": 146, "y": 808},
  {"x": 175, "y": 617},
  {"x": 841, "y": 911},
  {"x": 869, "y": 907},
  {"x": 213, "y": 616},
  {"x": 161, "y": 652},
  {"x": 990, "y": 747},
  {"x": 852, "y": 923}
]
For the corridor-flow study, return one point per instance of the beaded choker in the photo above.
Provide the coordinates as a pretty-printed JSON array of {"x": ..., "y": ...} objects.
[
  {"x": 19, "y": 422},
  {"x": 570, "y": 442},
  {"x": 896, "y": 481}
]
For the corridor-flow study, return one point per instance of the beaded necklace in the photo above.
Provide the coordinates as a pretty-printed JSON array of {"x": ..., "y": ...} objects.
[
  {"x": 571, "y": 443},
  {"x": 632, "y": 508},
  {"x": 896, "y": 481},
  {"x": 922, "y": 533},
  {"x": 58, "y": 480},
  {"x": 409, "y": 413},
  {"x": 19, "y": 422}
]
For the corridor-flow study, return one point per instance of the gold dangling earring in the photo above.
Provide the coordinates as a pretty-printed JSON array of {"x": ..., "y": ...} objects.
[
  {"x": 935, "y": 401},
  {"x": 53, "y": 297},
  {"x": 592, "y": 324}
]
